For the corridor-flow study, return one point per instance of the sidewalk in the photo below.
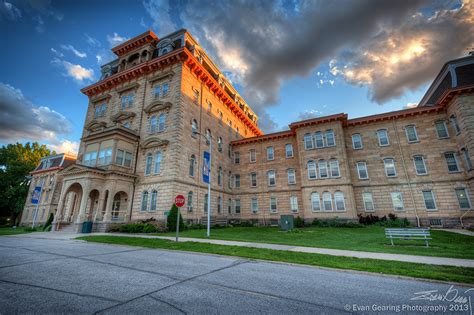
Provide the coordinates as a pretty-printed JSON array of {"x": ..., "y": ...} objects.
[{"x": 301, "y": 249}]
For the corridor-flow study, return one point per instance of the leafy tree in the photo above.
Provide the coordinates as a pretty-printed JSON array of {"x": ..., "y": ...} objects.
[
  {"x": 172, "y": 217},
  {"x": 16, "y": 162}
]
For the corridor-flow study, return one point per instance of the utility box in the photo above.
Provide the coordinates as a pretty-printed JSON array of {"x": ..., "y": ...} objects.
[
  {"x": 87, "y": 227},
  {"x": 287, "y": 222}
]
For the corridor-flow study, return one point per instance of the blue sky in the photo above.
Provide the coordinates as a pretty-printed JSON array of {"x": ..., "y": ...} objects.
[{"x": 290, "y": 59}]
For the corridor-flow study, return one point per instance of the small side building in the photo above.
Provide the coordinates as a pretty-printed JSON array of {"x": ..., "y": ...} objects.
[{"x": 45, "y": 176}]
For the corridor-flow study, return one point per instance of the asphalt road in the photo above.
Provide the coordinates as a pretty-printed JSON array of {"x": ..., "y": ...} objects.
[{"x": 68, "y": 276}]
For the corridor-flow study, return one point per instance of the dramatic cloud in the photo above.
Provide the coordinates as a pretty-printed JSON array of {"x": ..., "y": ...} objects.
[
  {"x": 9, "y": 12},
  {"x": 74, "y": 51},
  {"x": 116, "y": 39},
  {"x": 23, "y": 120},
  {"x": 64, "y": 146},
  {"x": 263, "y": 43},
  {"x": 308, "y": 114},
  {"x": 77, "y": 72}
]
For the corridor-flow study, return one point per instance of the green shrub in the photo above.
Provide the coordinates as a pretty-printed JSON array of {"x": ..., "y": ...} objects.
[
  {"x": 335, "y": 222},
  {"x": 172, "y": 218},
  {"x": 246, "y": 224},
  {"x": 299, "y": 223},
  {"x": 137, "y": 228},
  {"x": 114, "y": 228},
  {"x": 30, "y": 229},
  {"x": 47, "y": 225},
  {"x": 195, "y": 227}
]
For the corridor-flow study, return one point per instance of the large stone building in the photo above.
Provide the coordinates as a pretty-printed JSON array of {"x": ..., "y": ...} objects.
[{"x": 150, "y": 114}]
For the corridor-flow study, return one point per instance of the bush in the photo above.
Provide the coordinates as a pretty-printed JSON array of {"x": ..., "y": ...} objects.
[
  {"x": 335, "y": 222},
  {"x": 396, "y": 223},
  {"x": 30, "y": 229},
  {"x": 172, "y": 218},
  {"x": 246, "y": 224},
  {"x": 137, "y": 228},
  {"x": 392, "y": 221},
  {"x": 47, "y": 225},
  {"x": 195, "y": 226},
  {"x": 369, "y": 219},
  {"x": 114, "y": 228},
  {"x": 299, "y": 223}
]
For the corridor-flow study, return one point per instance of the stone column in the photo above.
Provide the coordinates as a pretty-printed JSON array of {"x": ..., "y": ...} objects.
[
  {"x": 59, "y": 213},
  {"x": 82, "y": 209},
  {"x": 108, "y": 207}
]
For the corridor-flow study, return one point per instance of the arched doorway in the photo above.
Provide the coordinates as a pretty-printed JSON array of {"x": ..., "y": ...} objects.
[
  {"x": 119, "y": 206},
  {"x": 93, "y": 205},
  {"x": 72, "y": 203}
]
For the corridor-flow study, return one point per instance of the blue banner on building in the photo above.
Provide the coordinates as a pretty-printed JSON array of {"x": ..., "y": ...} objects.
[
  {"x": 36, "y": 195},
  {"x": 206, "y": 168}
]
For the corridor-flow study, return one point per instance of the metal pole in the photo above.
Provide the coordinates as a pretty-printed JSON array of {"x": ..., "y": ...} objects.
[
  {"x": 209, "y": 192},
  {"x": 177, "y": 225},
  {"x": 37, "y": 205}
]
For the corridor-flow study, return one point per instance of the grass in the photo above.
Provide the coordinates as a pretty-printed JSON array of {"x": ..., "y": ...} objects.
[
  {"x": 370, "y": 239},
  {"x": 12, "y": 231},
  {"x": 446, "y": 273}
]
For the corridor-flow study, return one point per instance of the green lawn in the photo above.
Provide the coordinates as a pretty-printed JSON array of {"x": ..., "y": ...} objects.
[
  {"x": 446, "y": 273},
  {"x": 10, "y": 231},
  {"x": 371, "y": 239}
]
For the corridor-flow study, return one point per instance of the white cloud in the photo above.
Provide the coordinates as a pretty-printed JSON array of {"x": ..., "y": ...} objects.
[
  {"x": 39, "y": 24},
  {"x": 308, "y": 114},
  {"x": 64, "y": 146},
  {"x": 410, "y": 105},
  {"x": 57, "y": 53},
  {"x": 77, "y": 72},
  {"x": 9, "y": 11},
  {"x": 92, "y": 41},
  {"x": 74, "y": 51},
  {"x": 116, "y": 39},
  {"x": 24, "y": 121}
]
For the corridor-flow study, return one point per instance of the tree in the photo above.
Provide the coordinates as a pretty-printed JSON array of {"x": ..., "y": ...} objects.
[
  {"x": 172, "y": 217},
  {"x": 16, "y": 162}
]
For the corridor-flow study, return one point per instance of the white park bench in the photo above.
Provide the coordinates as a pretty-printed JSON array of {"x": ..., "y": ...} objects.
[{"x": 408, "y": 234}]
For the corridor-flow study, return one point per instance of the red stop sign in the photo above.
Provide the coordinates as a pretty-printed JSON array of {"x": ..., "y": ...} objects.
[{"x": 179, "y": 201}]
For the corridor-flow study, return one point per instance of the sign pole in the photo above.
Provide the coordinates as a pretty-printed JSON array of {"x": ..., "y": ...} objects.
[
  {"x": 37, "y": 203},
  {"x": 179, "y": 201},
  {"x": 177, "y": 225},
  {"x": 209, "y": 192}
]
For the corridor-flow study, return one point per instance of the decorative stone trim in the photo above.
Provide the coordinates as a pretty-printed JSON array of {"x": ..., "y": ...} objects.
[
  {"x": 128, "y": 87},
  {"x": 96, "y": 125},
  {"x": 153, "y": 142},
  {"x": 157, "y": 106},
  {"x": 122, "y": 115},
  {"x": 161, "y": 76},
  {"x": 101, "y": 98}
]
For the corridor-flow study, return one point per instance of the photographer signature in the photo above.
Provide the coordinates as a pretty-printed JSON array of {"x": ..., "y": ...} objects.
[{"x": 451, "y": 295}]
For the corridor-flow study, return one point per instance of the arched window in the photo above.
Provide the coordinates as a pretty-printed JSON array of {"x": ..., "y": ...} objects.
[
  {"x": 334, "y": 168},
  {"x": 312, "y": 170},
  {"x": 208, "y": 135},
  {"x": 190, "y": 201},
  {"x": 339, "y": 201},
  {"x": 323, "y": 169},
  {"x": 153, "y": 124},
  {"x": 192, "y": 161},
  {"x": 162, "y": 123},
  {"x": 194, "y": 127},
  {"x": 330, "y": 139},
  {"x": 154, "y": 196},
  {"x": 308, "y": 141},
  {"x": 315, "y": 202},
  {"x": 357, "y": 141},
  {"x": 209, "y": 107},
  {"x": 219, "y": 144},
  {"x": 319, "y": 139},
  {"x": 454, "y": 121},
  {"x": 144, "y": 201},
  {"x": 327, "y": 201},
  {"x": 219, "y": 176},
  {"x": 157, "y": 162},
  {"x": 149, "y": 162},
  {"x": 220, "y": 118}
]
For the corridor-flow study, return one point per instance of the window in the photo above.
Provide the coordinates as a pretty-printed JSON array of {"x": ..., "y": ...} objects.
[
  {"x": 105, "y": 156},
  {"x": 157, "y": 91},
  {"x": 162, "y": 123},
  {"x": 330, "y": 139},
  {"x": 312, "y": 170},
  {"x": 319, "y": 139},
  {"x": 368, "y": 201},
  {"x": 273, "y": 205},
  {"x": 339, "y": 201},
  {"x": 382, "y": 136},
  {"x": 315, "y": 202},
  {"x": 127, "y": 100},
  {"x": 271, "y": 178},
  {"x": 229, "y": 206},
  {"x": 219, "y": 144},
  {"x": 323, "y": 169},
  {"x": 428, "y": 197},
  {"x": 254, "y": 205},
  {"x": 236, "y": 158},
  {"x": 192, "y": 162},
  {"x": 237, "y": 206},
  {"x": 229, "y": 180},
  {"x": 220, "y": 118},
  {"x": 157, "y": 162},
  {"x": 127, "y": 125},
  {"x": 194, "y": 127},
  {"x": 357, "y": 141},
  {"x": 229, "y": 151},
  {"x": 206, "y": 199},
  {"x": 196, "y": 97},
  {"x": 219, "y": 176},
  {"x": 308, "y": 141},
  {"x": 294, "y": 203},
  {"x": 291, "y": 176},
  {"x": 190, "y": 201},
  {"x": 334, "y": 168},
  {"x": 128, "y": 159},
  {"x": 410, "y": 131},
  {"x": 148, "y": 163},
  {"x": 209, "y": 107},
  {"x": 153, "y": 124},
  {"x": 144, "y": 201},
  {"x": 253, "y": 179},
  {"x": 166, "y": 89},
  {"x": 463, "y": 198},
  {"x": 119, "y": 157},
  {"x": 452, "y": 162},
  {"x": 420, "y": 165},
  {"x": 237, "y": 181},
  {"x": 219, "y": 204},
  {"x": 467, "y": 158},
  {"x": 389, "y": 165},
  {"x": 327, "y": 201},
  {"x": 454, "y": 121},
  {"x": 441, "y": 129},
  {"x": 253, "y": 156},
  {"x": 362, "y": 170},
  {"x": 99, "y": 110},
  {"x": 397, "y": 201},
  {"x": 208, "y": 135},
  {"x": 288, "y": 150},
  {"x": 270, "y": 154},
  {"x": 154, "y": 195}
]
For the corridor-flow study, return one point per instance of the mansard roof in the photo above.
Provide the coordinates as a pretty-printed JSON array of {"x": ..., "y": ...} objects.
[
  {"x": 54, "y": 162},
  {"x": 132, "y": 44}
]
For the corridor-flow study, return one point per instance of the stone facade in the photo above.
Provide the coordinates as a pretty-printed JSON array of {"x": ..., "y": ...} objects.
[{"x": 145, "y": 133}]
